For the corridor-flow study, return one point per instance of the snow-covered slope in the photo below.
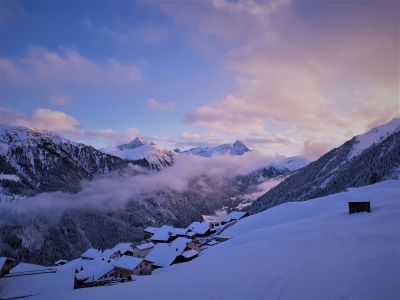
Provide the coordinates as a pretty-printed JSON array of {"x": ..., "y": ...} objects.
[
  {"x": 365, "y": 159},
  {"x": 374, "y": 136},
  {"x": 303, "y": 250},
  {"x": 292, "y": 163},
  {"x": 46, "y": 162},
  {"x": 156, "y": 156},
  {"x": 237, "y": 148}
]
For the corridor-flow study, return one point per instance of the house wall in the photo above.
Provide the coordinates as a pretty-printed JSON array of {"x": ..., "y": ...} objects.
[
  {"x": 194, "y": 245},
  {"x": 145, "y": 268}
]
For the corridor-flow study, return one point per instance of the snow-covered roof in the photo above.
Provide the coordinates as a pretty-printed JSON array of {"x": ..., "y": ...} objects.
[
  {"x": 127, "y": 262},
  {"x": 234, "y": 215},
  {"x": 145, "y": 246},
  {"x": 190, "y": 234},
  {"x": 161, "y": 236},
  {"x": 122, "y": 247},
  {"x": 94, "y": 272},
  {"x": 150, "y": 229},
  {"x": 25, "y": 267},
  {"x": 164, "y": 254},
  {"x": 164, "y": 232},
  {"x": 178, "y": 231},
  {"x": 91, "y": 253},
  {"x": 199, "y": 227},
  {"x": 189, "y": 254}
]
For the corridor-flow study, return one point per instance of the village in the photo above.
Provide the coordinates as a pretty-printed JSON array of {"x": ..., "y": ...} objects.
[{"x": 161, "y": 248}]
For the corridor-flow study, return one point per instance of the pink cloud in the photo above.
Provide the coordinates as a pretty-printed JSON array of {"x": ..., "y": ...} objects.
[
  {"x": 41, "y": 119},
  {"x": 68, "y": 126},
  {"x": 325, "y": 86},
  {"x": 65, "y": 68},
  {"x": 156, "y": 105}
]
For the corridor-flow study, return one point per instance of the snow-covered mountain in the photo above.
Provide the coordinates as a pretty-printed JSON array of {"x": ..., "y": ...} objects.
[
  {"x": 139, "y": 149},
  {"x": 43, "y": 161},
  {"x": 275, "y": 254},
  {"x": 291, "y": 163},
  {"x": 237, "y": 148},
  {"x": 365, "y": 159}
]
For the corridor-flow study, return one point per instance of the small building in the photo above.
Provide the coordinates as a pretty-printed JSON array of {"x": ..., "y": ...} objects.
[
  {"x": 127, "y": 266},
  {"x": 60, "y": 262},
  {"x": 121, "y": 249},
  {"x": 199, "y": 229},
  {"x": 164, "y": 254},
  {"x": 234, "y": 216},
  {"x": 357, "y": 207},
  {"x": 143, "y": 249},
  {"x": 5, "y": 265},
  {"x": 96, "y": 274},
  {"x": 165, "y": 234}
]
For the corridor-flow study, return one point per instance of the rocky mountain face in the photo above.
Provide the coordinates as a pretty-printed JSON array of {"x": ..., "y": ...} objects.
[
  {"x": 43, "y": 161},
  {"x": 365, "y": 159},
  {"x": 237, "y": 148},
  {"x": 148, "y": 153}
]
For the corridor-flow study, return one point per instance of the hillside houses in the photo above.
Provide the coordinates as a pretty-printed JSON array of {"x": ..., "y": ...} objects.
[{"x": 124, "y": 262}]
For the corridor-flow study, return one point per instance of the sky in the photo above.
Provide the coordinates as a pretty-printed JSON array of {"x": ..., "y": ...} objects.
[{"x": 286, "y": 77}]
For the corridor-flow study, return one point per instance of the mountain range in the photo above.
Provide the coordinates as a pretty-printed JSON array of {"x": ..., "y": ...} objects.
[
  {"x": 154, "y": 156},
  {"x": 237, "y": 148},
  {"x": 32, "y": 162},
  {"x": 365, "y": 159},
  {"x": 43, "y": 161}
]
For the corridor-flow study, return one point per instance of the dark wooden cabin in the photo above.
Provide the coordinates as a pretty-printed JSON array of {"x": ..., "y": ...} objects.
[{"x": 357, "y": 207}]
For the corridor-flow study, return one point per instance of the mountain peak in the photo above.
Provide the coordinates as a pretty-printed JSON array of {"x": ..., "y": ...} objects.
[
  {"x": 375, "y": 135},
  {"x": 137, "y": 142},
  {"x": 237, "y": 148}
]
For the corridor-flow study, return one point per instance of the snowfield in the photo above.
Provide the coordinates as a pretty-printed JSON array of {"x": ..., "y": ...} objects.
[{"x": 302, "y": 250}]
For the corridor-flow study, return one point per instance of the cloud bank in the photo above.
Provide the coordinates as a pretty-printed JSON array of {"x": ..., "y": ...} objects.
[{"x": 113, "y": 191}]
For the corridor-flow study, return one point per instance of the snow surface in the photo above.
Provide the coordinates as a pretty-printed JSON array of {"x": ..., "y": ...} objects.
[
  {"x": 292, "y": 163},
  {"x": 248, "y": 199},
  {"x": 375, "y": 135},
  {"x": 299, "y": 250},
  {"x": 127, "y": 262}
]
